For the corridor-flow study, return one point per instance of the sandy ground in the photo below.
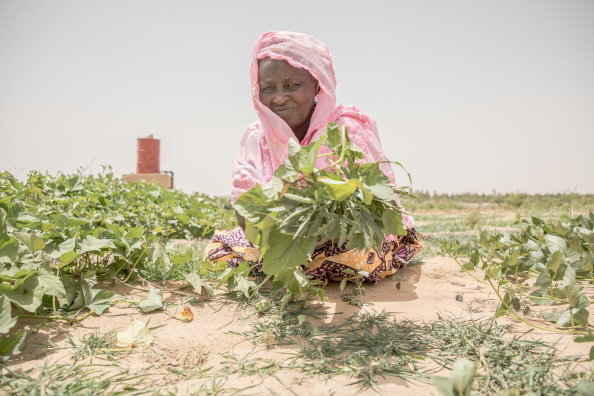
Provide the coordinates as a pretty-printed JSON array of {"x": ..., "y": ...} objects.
[{"x": 427, "y": 290}]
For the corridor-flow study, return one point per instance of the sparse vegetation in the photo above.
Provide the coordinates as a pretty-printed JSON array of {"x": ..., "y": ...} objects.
[{"x": 67, "y": 240}]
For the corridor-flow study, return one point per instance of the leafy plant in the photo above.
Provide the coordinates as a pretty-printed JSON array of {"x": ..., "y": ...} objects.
[
  {"x": 557, "y": 256},
  {"x": 346, "y": 202},
  {"x": 60, "y": 234}
]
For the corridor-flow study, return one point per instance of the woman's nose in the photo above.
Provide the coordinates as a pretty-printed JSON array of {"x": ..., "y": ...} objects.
[{"x": 279, "y": 99}]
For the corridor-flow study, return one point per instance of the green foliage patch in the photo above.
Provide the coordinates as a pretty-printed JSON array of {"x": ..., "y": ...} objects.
[
  {"x": 544, "y": 264},
  {"x": 346, "y": 201},
  {"x": 59, "y": 234}
]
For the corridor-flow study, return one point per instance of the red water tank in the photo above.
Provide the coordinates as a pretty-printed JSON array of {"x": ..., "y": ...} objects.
[{"x": 148, "y": 155}]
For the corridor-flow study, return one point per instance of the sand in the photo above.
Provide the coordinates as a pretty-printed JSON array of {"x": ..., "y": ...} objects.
[{"x": 427, "y": 290}]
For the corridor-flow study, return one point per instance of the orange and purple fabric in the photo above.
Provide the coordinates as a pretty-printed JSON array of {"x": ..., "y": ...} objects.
[{"x": 328, "y": 261}]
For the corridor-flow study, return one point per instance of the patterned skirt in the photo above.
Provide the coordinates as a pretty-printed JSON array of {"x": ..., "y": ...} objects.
[{"x": 328, "y": 260}]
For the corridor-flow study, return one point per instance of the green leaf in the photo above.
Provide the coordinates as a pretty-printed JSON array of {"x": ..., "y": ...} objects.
[
  {"x": 6, "y": 320},
  {"x": 569, "y": 276},
  {"x": 555, "y": 243},
  {"x": 343, "y": 284},
  {"x": 554, "y": 262},
  {"x": 285, "y": 252},
  {"x": 504, "y": 305},
  {"x": 3, "y": 227},
  {"x": 286, "y": 298},
  {"x": 333, "y": 136},
  {"x": 286, "y": 172},
  {"x": 252, "y": 233},
  {"x": 244, "y": 285},
  {"x": 67, "y": 246},
  {"x": 28, "y": 296},
  {"x": 226, "y": 275},
  {"x": 552, "y": 316},
  {"x": 181, "y": 258},
  {"x": 100, "y": 300},
  {"x": 474, "y": 258},
  {"x": 134, "y": 232},
  {"x": 27, "y": 218},
  {"x": 294, "y": 280},
  {"x": 50, "y": 282},
  {"x": 339, "y": 190},
  {"x": 92, "y": 244},
  {"x": 579, "y": 315},
  {"x": 67, "y": 258},
  {"x": 298, "y": 198},
  {"x": 303, "y": 158},
  {"x": 539, "y": 297},
  {"x": 460, "y": 381},
  {"x": 515, "y": 302},
  {"x": 273, "y": 188},
  {"x": 367, "y": 195},
  {"x": 198, "y": 283},
  {"x": 249, "y": 204},
  {"x": 9, "y": 250},
  {"x": 393, "y": 223},
  {"x": 12, "y": 344},
  {"x": 444, "y": 386},
  {"x": 585, "y": 338},
  {"x": 355, "y": 151},
  {"x": 377, "y": 182},
  {"x": 293, "y": 147},
  {"x": 587, "y": 234},
  {"x": 33, "y": 241},
  {"x": 586, "y": 387},
  {"x": 153, "y": 302},
  {"x": 574, "y": 296},
  {"x": 463, "y": 375},
  {"x": 544, "y": 280}
]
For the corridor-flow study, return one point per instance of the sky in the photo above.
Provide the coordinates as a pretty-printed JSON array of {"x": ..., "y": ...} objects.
[{"x": 471, "y": 96}]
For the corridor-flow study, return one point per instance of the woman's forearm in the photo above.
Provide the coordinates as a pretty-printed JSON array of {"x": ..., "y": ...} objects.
[{"x": 240, "y": 220}]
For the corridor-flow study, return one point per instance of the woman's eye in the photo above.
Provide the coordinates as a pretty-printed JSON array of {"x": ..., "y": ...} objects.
[
  {"x": 266, "y": 89},
  {"x": 293, "y": 86}
]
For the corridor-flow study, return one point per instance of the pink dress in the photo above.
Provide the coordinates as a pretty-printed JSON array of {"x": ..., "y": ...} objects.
[{"x": 264, "y": 147}]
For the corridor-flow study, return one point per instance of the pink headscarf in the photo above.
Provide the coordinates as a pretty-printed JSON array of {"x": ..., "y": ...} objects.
[{"x": 264, "y": 146}]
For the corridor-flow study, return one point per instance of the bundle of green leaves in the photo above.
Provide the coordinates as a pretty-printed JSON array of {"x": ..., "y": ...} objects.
[{"x": 346, "y": 201}]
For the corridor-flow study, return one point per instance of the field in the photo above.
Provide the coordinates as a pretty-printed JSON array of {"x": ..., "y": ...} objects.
[{"x": 105, "y": 291}]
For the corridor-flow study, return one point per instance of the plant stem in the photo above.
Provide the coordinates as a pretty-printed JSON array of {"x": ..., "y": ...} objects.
[
  {"x": 135, "y": 264},
  {"x": 57, "y": 317},
  {"x": 513, "y": 313}
]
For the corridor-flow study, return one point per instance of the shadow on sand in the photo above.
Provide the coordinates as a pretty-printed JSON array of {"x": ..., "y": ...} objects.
[{"x": 386, "y": 291}]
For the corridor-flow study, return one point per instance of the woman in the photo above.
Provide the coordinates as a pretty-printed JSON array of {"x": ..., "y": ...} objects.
[{"x": 293, "y": 91}]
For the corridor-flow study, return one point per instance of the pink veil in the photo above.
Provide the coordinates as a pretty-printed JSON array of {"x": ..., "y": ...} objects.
[{"x": 264, "y": 145}]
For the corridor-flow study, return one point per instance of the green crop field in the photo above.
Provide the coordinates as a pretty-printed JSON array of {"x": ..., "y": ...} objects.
[{"x": 69, "y": 245}]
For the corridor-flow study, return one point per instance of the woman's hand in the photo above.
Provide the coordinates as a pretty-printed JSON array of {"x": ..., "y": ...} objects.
[{"x": 240, "y": 220}]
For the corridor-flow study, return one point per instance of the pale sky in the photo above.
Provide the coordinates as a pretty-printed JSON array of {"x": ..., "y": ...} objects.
[{"x": 471, "y": 96}]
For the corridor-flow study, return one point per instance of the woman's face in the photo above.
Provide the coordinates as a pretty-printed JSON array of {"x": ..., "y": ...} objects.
[{"x": 288, "y": 91}]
